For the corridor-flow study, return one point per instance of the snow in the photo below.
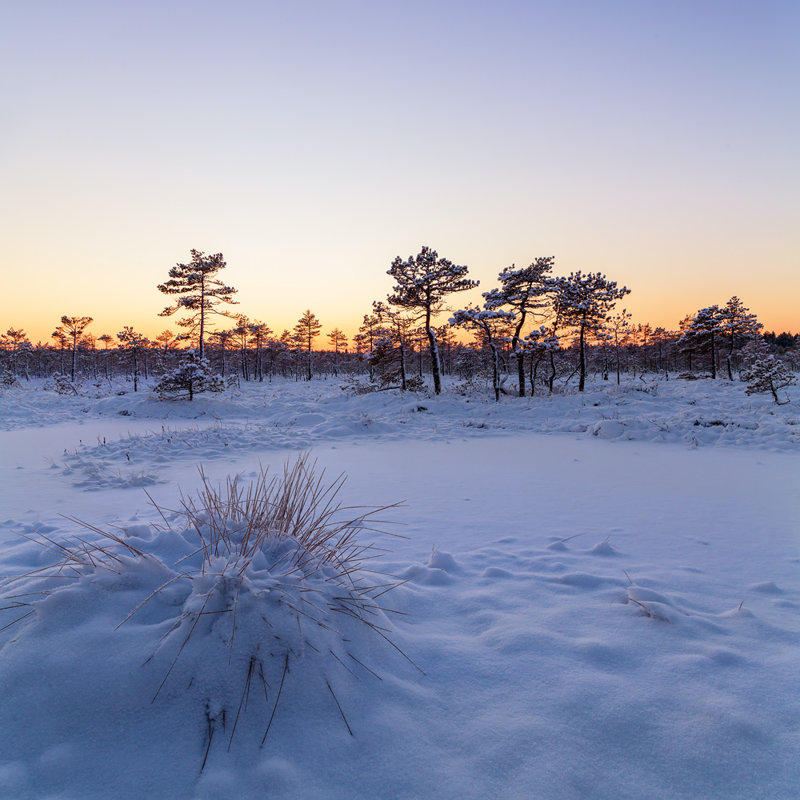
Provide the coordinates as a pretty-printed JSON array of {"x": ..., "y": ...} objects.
[{"x": 599, "y": 595}]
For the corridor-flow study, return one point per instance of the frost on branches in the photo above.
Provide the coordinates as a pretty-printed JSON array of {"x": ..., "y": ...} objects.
[
  {"x": 526, "y": 291},
  {"x": 491, "y": 324},
  {"x": 191, "y": 377},
  {"x": 768, "y": 374},
  {"x": 61, "y": 384},
  {"x": 584, "y": 302},
  {"x": 421, "y": 283}
]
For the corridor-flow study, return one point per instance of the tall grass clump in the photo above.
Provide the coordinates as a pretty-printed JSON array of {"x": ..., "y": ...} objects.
[{"x": 244, "y": 590}]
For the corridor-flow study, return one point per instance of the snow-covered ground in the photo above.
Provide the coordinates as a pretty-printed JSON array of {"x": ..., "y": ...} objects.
[{"x": 600, "y": 598}]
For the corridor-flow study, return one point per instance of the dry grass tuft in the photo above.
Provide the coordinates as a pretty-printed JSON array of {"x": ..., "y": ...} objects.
[
  {"x": 236, "y": 522},
  {"x": 274, "y": 578}
]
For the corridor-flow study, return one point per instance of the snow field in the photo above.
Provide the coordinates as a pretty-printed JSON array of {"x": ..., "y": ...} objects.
[{"x": 593, "y": 618}]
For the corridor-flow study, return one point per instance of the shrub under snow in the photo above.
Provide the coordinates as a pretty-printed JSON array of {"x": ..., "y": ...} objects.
[
  {"x": 189, "y": 378},
  {"x": 768, "y": 374},
  {"x": 244, "y": 590}
]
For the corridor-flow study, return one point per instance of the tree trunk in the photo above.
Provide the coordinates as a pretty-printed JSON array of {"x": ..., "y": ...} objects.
[
  {"x": 713, "y": 357},
  {"x": 437, "y": 381},
  {"x": 202, "y": 318},
  {"x": 495, "y": 372},
  {"x": 403, "y": 365},
  {"x": 520, "y": 354},
  {"x": 534, "y": 370}
]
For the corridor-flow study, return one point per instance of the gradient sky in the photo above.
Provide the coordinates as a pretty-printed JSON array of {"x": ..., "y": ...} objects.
[{"x": 312, "y": 142}]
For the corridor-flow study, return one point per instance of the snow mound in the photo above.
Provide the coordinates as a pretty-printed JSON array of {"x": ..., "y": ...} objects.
[
  {"x": 247, "y": 596},
  {"x": 285, "y": 413},
  {"x": 604, "y": 549},
  {"x": 441, "y": 560},
  {"x": 608, "y": 429}
]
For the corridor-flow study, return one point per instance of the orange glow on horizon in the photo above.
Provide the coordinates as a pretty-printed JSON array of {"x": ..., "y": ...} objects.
[{"x": 39, "y": 331}]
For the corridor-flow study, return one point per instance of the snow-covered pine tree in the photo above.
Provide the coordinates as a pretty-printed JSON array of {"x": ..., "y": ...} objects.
[
  {"x": 525, "y": 290},
  {"x": 702, "y": 334},
  {"x": 739, "y": 326},
  {"x": 583, "y": 303},
  {"x": 61, "y": 384},
  {"x": 493, "y": 324},
  {"x": 192, "y": 376},
  {"x": 202, "y": 292},
  {"x": 421, "y": 283},
  {"x": 385, "y": 365},
  {"x": 541, "y": 343},
  {"x": 135, "y": 343},
  {"x": 766, "y": 373},
  {"x": 390, "y": 334},
  {"x": 17, "y": 344},
  {"x": 389, "y": 356}
]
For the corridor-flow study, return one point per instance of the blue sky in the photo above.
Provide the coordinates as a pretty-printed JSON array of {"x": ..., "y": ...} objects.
[{"x": 313, "y": 142}]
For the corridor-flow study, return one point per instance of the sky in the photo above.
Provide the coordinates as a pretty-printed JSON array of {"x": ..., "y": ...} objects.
[{"x": 313, "y": 142}]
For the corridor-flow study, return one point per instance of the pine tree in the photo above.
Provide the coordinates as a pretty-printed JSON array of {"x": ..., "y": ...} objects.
[
  {"x": 618, "y": 326},
  {"x": 492, "y": 323},
  {"x": 134, "y": 343},
  {"x": 421, "y": 283},
  {"x": 241, "y": 335},
  {"x": 71, "y": 328},
  {"x": 106, "y": 339},
  {"x": 61, "y": 340},
  {"x": 306, "y": 330},
  {"x": 525, "y": 290},
  {"x": 702, "y": 334},
  {"x": 202, "y": 292},
  {"x": 166, "y": 340},
  {"x": 222, "y": 339},
  {"x": 370, "y": 331},
  {"x": 189, "y": 378},
  {"x": 388, "y": 356},
  {"x": 338, "y": 341},
  {"x": 17, "y": 343},
  {"x": 259, "y": 335},
  {"x": 739, "y": 325},
  {"x": 540, "y": 344},
  {"x": 583, "y": 303},
  {"x": 766, "y": 373}
]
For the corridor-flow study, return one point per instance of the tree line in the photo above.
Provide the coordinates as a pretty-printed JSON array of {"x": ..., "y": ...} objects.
[{"x": 531, "y": 330}]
